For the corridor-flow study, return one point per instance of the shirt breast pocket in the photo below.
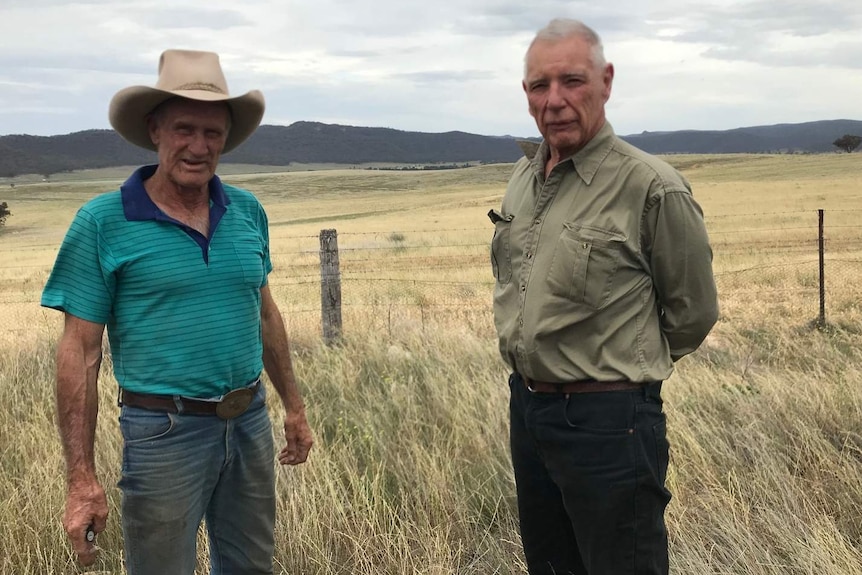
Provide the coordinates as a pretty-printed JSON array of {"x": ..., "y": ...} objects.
[
  {"x": 249, "y": 253},
  {"x": 584, "y": 264},
  {"x": 501, "y": 255}
]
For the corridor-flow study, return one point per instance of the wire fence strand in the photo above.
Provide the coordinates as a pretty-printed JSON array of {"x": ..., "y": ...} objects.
[{"x": 410, "y": 272}]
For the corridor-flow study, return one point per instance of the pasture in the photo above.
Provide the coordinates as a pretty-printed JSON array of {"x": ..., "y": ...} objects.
[{"x": 410, "y": 473}]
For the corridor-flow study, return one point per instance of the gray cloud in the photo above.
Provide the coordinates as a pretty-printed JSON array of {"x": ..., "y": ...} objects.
[
  {"x": 443, "y": 77},
  {"x": 803, "y": 18},
  {"x": 486, "y": 18},
  {"x": 41, "y": 112},
  {"x": 184, "y": 17},
  {"x": 527, "y": 19},
  {"x": 762, "y": 30},
  {"x": 843, "y": 55},
  {"x": 57, "y": 62},
  {"x": 797, "y": 17},
  {"x": 40, "y": 4},
  {"x": 436, "y": 66}
]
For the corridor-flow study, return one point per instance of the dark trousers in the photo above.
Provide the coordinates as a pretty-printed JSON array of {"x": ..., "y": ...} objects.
[{"x": 590, "y": 471}]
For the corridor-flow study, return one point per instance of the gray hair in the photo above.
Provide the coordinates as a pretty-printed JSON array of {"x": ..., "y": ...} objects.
[{"x": 563, "y": 28}]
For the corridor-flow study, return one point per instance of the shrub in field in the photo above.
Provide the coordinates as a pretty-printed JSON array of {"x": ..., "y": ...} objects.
[
  {"x": 847, "y": 142},
  {"x": 4, "y": 212}
]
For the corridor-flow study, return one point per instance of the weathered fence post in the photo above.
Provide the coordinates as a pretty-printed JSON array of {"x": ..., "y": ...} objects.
[
  {"x": 330, "y": 286},
  {"x": 821, "y": 249}
]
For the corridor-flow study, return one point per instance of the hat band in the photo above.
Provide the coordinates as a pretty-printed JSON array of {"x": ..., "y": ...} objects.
[{"x": 203, "y": 86}]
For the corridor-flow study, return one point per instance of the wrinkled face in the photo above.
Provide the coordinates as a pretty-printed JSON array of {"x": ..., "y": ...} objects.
[
  {"x": 566, "y": 92},
  {"x": 189, "y": 137}
]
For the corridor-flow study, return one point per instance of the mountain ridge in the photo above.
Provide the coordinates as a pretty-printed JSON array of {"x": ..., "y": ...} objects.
[{"x": 307, "y": 142}]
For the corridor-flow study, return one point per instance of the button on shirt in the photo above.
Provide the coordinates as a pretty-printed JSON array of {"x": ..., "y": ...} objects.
[{"x": 603, "y": 269}]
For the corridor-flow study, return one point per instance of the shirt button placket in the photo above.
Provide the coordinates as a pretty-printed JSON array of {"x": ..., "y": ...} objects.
[{"x": 528, "y": 269}]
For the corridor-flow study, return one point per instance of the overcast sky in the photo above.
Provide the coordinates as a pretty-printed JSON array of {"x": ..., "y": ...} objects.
[{"x": 437, "y": 65}]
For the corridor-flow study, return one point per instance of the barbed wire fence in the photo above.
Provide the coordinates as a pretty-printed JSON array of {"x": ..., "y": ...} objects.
[{"x": 781, "y": 262}]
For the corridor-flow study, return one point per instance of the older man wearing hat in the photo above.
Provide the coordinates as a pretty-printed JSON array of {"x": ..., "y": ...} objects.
[{"x": 175, "y": 265}]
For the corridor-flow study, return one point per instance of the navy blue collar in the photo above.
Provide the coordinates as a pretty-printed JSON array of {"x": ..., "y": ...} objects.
[{"x": 138, "y": 206}]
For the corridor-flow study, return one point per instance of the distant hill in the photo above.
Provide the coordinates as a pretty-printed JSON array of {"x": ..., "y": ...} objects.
[
  {"x": 810, "y": 137},
  {"x": 312, "y": 142},
  {"x": 301, "y": 142}
]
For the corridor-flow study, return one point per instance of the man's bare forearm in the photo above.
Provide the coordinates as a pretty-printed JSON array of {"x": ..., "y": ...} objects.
[
  {"x": 277, "y": 361},
  {"x": 279, "y": 367},
  {"x": 78, "y": 360}
]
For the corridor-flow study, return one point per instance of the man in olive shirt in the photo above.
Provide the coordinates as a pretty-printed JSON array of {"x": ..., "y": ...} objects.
[{"x": 604, "y": 280}]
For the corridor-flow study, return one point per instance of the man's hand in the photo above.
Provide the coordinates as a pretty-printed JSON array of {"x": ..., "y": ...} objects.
[
  {"x": 86, "y": 506},
  {"x": 297, "y": 435}
]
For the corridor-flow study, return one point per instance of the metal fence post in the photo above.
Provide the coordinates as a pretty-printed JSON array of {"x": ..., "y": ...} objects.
[{"x": 330, "y": 286}]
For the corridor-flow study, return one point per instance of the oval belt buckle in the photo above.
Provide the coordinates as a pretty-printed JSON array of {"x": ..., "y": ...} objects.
[{"x": 234, "y": 403}]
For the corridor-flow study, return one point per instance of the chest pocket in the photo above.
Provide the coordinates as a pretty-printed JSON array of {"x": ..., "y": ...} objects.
[
  {"x": 249, "y": 253},
  {"x": 585, "y": 262},
  {"x": 501, "y": 254}
]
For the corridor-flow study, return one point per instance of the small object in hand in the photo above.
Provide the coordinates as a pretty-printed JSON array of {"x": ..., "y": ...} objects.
[{"x": 90, "y": 535}]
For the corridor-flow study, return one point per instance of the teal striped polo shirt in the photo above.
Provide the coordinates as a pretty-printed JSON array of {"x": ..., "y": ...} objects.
[{"x": 182, "y": 311}]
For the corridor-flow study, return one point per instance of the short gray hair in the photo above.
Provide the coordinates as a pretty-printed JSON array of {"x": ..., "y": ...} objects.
[{"x": 563, "y": 28}]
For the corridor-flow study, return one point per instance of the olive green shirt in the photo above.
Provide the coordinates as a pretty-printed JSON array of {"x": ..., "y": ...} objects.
[{"x": 603, "y": 269}]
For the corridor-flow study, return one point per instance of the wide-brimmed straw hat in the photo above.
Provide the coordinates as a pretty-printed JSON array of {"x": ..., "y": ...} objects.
[{"x": 186, "y": 74}]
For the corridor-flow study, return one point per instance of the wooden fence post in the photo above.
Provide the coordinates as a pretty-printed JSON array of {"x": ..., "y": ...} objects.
[
  {"x": 821, "y": 249},
  {"x": 330, "y": 286}
]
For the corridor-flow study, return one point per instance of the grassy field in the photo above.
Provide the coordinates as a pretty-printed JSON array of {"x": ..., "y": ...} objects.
[{"x": 411, "y": 471}]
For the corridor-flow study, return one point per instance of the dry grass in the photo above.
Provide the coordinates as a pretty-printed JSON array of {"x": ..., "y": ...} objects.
[{"x": 411, "y": 472}]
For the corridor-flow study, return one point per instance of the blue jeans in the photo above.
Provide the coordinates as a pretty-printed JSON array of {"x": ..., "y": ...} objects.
[
  {"x": 589, "y": 473},
  {"x": 179, "y": 469}
]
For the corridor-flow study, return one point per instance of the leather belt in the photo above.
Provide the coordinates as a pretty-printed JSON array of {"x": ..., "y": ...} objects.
[
  {"x": 233, "y": 404},
  {"x": 583, "y": 386}
]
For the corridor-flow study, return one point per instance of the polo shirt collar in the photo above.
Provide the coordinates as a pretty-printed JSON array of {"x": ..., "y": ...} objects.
[
  {"x": 138, "y": 206},
  {"x": 586, "y": 161}
]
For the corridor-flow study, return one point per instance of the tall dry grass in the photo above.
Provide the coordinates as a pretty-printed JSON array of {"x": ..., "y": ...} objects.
[{"x": 411, "y": 473}]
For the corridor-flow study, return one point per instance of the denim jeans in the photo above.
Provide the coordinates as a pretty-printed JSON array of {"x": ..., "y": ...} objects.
[
  {"x": 180, "y": 469},
  {"x": 590, "y": 477}
]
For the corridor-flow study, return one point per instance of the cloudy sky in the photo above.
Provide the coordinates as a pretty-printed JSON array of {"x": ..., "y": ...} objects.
[{"x": 437, "y": 65}]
